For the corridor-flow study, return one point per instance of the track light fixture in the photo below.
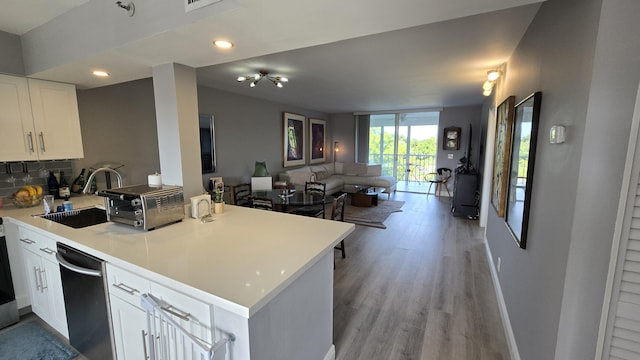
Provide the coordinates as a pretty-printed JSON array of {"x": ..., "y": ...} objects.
[
  {"x": 255, "y": 79},
  {"x": 131, "y": 8},
  {"x": 492, "y": 76}
]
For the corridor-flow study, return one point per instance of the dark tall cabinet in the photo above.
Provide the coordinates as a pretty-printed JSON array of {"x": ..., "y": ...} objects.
[{"x": 465, "y": 194}]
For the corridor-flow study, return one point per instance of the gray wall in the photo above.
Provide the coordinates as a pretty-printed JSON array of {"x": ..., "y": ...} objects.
[
  {"x": 461, "y": 117},
  {"x": 119, "y": 124},
  {"x": 11, "y": 60},
  {"x": 556, "y": 57},
  {"x": 608, "y": 123},
  {"x": 248, "y": 130},
  {"x": 343, "y": 130}
]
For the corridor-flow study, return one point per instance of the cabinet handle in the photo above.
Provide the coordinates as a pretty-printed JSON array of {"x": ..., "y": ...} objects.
[
  {"x": 144, "y": 344},
  {"x": 42, "y": 141},
  {"x": 177, "y": 312},
  {"x": 48, "y": 251},
  {"x": 128, "y": 289},
  {"x": 30, "y": 136},
  {"x": 43, "y": 287},
  {"x": 37, "y": 278},
  {"x": 27, "y": 241}
]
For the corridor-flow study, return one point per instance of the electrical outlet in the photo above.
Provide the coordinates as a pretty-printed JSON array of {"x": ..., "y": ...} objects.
[
  {"x": 498, "y": 264},
  {"x": 450, "y": 156}
]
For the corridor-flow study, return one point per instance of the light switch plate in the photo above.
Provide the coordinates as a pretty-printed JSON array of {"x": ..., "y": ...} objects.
[{"x": 450, "y": 156}]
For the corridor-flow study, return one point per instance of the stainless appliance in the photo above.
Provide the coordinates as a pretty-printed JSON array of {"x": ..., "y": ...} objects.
[
  {"x": 144, "y": 206},
  {"x": 8, "y": 305},
  {"x": 85, "y": 300}
]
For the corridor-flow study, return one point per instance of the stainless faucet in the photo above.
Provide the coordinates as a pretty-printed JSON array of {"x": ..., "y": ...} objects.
[{"x": 87, "y": 187}]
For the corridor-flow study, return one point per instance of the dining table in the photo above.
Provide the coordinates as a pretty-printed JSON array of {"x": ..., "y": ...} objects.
[{"x": 285, "y": 200}]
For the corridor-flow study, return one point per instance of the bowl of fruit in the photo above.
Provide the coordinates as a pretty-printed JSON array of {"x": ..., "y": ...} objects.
[{"x": 27, "y": 196}]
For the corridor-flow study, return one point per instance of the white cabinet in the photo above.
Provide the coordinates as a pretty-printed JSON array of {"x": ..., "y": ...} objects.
[
  {"x": 130, "y": 320},
  {"x": 43, "y": 277},
  {"x": 17, "y": 140},
  {"x": 20, "y": 285},
  {"x": 40, "y": 120}
]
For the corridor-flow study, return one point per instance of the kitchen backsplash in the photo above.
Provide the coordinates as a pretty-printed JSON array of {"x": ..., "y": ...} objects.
[{"x": 30, "y": 173}]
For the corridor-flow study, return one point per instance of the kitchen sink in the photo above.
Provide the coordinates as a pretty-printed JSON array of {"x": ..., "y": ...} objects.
[{"x": 78, "y": 218}]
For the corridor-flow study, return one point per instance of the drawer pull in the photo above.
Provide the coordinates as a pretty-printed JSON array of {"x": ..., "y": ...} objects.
[
  {"x": 43, "y": 278},
  {"x": 37, "y": 278},
  {"x": 30, "y": 136},
  {"x": 128, "y": 289},
  {"x": 48, "y": 251},
  {"x": 177, "y": 312},
  {"x": 27, "y": 241}
]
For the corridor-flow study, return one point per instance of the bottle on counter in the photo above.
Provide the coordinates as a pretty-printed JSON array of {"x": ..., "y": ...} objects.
[
  {"x": 63, "y": 190},
  {"x": 78, "y": 183},
  {"x": 53, "y": 185}
]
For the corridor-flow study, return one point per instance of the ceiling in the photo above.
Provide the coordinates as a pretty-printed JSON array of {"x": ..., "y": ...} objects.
[{"x": 361, "y": 59}]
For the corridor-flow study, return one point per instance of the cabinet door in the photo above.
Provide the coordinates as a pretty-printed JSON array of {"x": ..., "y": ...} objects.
[
  {"x": 129, "y": 330},
  {"x": 57, "y": 315},
  {"x": 34, "y": 272},
  {"x": 20, "y": 284},
  {"x": 17, "y": 138},
  {"x": 56, "y": 120}
]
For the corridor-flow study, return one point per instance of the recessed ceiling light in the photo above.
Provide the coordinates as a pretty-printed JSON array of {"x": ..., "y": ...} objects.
[
  {"x": 223, "y": 44},
  {"x": 101, "y": 73}
]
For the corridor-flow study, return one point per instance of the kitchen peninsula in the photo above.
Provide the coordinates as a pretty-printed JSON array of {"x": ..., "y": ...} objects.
[{"x": 267, "y": 276}]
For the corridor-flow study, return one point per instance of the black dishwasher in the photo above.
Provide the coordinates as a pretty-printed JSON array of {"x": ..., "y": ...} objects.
[{"x": 86, "y": 303}]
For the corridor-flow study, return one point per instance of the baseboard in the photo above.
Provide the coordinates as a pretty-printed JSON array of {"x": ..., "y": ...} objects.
[
  {"x": 502, "y": 306},
  {"x": 331, "y": 354}
]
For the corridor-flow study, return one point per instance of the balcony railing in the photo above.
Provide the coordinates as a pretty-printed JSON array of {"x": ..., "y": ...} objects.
[{"x": 413, "y": 167}]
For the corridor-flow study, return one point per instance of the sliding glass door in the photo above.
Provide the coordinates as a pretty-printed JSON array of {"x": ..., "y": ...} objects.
[{"x": 405, "y": 144}]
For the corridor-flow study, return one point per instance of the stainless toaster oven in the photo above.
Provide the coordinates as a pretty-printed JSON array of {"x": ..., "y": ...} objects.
[{"x": 144, "y": 206}]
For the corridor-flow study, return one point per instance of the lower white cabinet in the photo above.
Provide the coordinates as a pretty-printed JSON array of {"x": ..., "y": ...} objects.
[
  {"x": 130, "y": 320},
  {"x": 129, "y": 330},
  {"x": 43, "y": 277}
]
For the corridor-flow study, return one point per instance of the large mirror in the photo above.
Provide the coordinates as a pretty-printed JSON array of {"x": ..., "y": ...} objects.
[
  {"x": 523, "y": 153},
  {"x": 207, "y": 144}
]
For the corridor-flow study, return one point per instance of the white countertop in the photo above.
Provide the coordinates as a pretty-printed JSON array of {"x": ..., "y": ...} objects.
[{"x": 239, "y": 262}]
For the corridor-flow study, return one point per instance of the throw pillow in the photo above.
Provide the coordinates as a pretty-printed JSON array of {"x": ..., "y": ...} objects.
[
  {"x": 355, "y": 169},
  {"x": 321, "y": 175},
  {"x": 339, "y": 168},
  {"x": 299, "y": 177},
  {"x": 374, "y": 170}
]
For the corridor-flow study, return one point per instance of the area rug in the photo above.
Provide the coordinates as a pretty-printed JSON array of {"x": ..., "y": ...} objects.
[
  {"x": 29, "y": 341},
  {"x": 372, "y": 216}
]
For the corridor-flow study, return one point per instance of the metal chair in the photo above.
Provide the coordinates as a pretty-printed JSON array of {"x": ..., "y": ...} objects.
[
  {"x": 441, "y": 177},
  {"x": 263, "y": 203},
  {"x": 337, "y": 214},
  {"x": 241, "y": 194},
  {"x": 316, "y": 188}
]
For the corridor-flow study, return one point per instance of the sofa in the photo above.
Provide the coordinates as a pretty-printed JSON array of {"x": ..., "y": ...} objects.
[{"x": 340, "y": 177}]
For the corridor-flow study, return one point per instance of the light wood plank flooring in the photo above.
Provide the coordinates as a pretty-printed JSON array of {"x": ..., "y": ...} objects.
[{"x": 421, "y": 289}]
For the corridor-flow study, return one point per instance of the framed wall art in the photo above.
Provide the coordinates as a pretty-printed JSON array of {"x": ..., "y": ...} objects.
[
  {"x": 504, "y": 128},
  {"x": 293, "y": 139},
  {"x": 522, "y": 160},
  {"x": 317, "y": 136}
]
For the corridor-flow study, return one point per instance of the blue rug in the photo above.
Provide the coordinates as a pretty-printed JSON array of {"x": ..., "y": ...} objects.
[{"x": 29, "y": 341}]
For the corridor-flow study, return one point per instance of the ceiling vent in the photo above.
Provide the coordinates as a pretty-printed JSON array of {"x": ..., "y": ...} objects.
[{"x": 190, "y": 5}]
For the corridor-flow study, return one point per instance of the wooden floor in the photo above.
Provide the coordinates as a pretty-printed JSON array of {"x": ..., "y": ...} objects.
[{"x": 421, "y": 289}]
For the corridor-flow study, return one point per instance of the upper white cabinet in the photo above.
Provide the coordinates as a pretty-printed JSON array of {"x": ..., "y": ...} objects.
[{"x": 41, "y": 120}]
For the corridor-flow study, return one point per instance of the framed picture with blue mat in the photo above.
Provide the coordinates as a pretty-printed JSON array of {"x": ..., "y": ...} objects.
[{"x": 30, "y": 341}]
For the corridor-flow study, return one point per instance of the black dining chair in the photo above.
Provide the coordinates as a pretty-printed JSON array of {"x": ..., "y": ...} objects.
[
  {"x": 315, "y": 188},
  {"x": 263, "y": 203},
  {"x": 241, "y": 194},
  {"x": 337, "y": 214}
]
